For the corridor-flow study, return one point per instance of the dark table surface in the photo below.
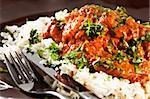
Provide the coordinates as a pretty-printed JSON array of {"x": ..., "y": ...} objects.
[{"x": 13, "y": 9}]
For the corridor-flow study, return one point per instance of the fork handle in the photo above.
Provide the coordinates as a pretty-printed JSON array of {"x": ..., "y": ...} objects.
[
  {"x": 49, "y": 93},
  {"x": 87, "y": 95},
  {"x": 4, "y": 85}
]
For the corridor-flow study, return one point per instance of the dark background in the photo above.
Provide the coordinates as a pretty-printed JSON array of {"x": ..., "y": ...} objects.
[{"x": 13, "y": 9}]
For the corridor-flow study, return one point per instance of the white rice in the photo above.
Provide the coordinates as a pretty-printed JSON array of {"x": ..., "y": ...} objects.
[{"x": 102, "y": 84}]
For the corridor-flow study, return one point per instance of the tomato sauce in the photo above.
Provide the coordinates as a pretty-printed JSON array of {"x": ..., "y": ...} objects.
[{"x": 117, "y": 45}]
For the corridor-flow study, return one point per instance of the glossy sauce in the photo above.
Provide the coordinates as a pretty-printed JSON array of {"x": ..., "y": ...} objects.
[{"x": 72, "y": 35}]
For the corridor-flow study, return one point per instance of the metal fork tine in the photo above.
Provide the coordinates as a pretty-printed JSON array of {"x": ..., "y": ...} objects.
[
  {"x": 10, "y": 67},
  {"x": 28, "y": 66},
  {"x": 22, "y": 65},
  {"x": 18, "y": 69}
]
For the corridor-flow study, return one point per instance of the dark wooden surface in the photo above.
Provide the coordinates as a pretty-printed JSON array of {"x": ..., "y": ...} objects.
[{"x": 14, "y": 9}]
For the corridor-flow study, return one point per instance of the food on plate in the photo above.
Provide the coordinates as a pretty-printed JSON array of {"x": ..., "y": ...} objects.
[{"x": 106, "y": 50}]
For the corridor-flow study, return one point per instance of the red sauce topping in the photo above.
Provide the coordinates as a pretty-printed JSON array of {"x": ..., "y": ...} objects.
[{"x": 117, "y": 42}]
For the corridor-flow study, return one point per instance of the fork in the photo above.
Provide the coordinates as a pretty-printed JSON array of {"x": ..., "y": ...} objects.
[{"x": 23, "y": 75}]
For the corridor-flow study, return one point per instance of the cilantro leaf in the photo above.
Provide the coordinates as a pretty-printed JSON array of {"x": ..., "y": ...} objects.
[
  {"x": 95, "y": 16},
  {"x": 34, "y": 37},
  {"x": 54, "y": 49},
  {"x": 147, "y": 37},
  {"x": 137, "y": 69},
  {"x": 55, "y": 56},
  {"x": 92, "y": 30}
]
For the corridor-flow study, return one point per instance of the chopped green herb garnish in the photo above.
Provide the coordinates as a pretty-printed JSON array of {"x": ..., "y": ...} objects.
[
  {"x": 53, "y": 48},
  {"x": 147, "y": 37},
  {"x": 112, "y": 67},
  {"x": 127, "y": 45},
  {"x": 92, "y": 30},
  {"x": 120, "y": 77},
  {"x": 79, "y": 61},
  {"x": 55, "y": 56},
  {"x": 146, "y": 23},
  {"x": 113, "y": 42},
  {"x": 40, "y": 52},
  {"x": 113, "y": 32},
  {"x": 53, "y": 51},
  {"x": 108, "y": 46},
  {"x": 34, "y": 37},
  {"x": 109, "y": 49},
  {"x": 125, "y": 58},
  {"x": 137, "y": 69},
  {"x": 119, "y": 56},
  {"x": 123, "y": 44},
  {"x": 84, "y": 58},
  {"x": 106, "y": 9},
  {"x": 60, "y": 24},
  {"x": 9, "y": 32},
  {"x": 99, "y": 63},
  {"x": 95, "y": 16},
  {"x": 72, "y": 54},
  {"x": 114, "y": 27},
  {"x": 108, "y": 77},
  {"x": 108, "y": 61},
  {"x": 29, "y": 49},
  {"x": 49, "y": 63},
  {"x": 138, "y": 60},
  {"x": 120, "y": 69},
  {"x": 133, "y": 48},
  {"x": 122, "y": 21},
  {"x": 122, "y": 11}
]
